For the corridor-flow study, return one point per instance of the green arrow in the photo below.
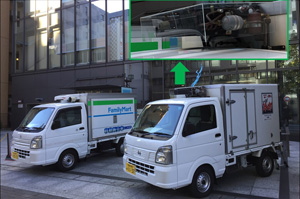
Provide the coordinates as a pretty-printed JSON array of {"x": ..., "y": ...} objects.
[{"x": 179, "y": 71}]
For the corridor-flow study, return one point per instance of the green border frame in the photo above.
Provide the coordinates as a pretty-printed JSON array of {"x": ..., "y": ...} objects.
[{"x": 136, "y": 59}]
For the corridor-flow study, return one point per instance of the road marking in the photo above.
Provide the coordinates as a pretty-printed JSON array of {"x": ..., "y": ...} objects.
[{"x": 3, "y": 138}]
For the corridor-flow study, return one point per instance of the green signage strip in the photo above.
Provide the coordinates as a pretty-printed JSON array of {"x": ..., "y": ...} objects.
[
  {"x": 112, "y": 102},
  {"x": 141, "y": 46},
  {"x": 165, "y": 44}
]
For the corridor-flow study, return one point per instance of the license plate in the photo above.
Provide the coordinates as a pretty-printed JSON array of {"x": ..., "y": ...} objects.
[
  {"x": 130, "y": 168},
  {"x": 15, "y": 155}
]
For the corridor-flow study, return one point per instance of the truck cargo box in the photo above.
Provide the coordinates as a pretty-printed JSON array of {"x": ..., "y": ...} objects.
[{"x": 251, "y": 114}]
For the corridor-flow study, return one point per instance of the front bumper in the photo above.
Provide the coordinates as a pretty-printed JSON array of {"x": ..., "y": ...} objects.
[
  {"x": 27, "y": 155},
  {"x": 164, "y": 176}
]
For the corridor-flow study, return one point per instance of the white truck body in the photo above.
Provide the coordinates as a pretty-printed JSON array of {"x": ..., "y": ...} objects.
[
  {"x": 78, "y": 123},
  {"x": 225, "y": 128}
]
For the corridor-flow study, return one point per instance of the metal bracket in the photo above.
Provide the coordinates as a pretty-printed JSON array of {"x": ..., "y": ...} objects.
[
  {"x": 229, "y": 102},
  {"x": 231, "y": 138}
]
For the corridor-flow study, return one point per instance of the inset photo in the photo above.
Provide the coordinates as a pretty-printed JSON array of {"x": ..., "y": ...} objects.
[{"x": 199, "y": 30}]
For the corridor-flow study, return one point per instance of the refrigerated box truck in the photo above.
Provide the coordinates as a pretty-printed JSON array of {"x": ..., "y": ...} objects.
[
  {"x": 65, "y": 131},
  {"x": 202, "y": 132}
]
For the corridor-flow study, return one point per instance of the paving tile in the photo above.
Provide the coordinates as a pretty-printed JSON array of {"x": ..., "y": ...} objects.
[{"x": 271, "y": 193}]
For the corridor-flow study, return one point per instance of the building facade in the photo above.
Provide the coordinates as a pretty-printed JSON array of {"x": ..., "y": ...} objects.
[{"x": 74, "y": 46}]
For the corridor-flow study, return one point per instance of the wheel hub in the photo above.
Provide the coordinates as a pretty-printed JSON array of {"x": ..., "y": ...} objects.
[{"x": 203, "y": 182}]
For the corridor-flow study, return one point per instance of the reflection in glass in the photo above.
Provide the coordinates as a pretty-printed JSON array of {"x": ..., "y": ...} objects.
[
  {"x": 82, "y": 33},
  {"x": 68, "y": 37},
  {"x": 54, "y": 40},
  {"x": 29, "y": 8},
  {"x": 19, "y": 44},
  {"x": 66, "y": 3},
  {"x": 40, "y": 7},
  {"x": 41, "y": 59},
  {"x": 29, "y": 44},
  {"x": 53, "y": 4},
  {"x": 224, "y": 79},
  {"x": 126, "y": 10},
  {"x": 98, "y": 31},
  {"x": 19, "y": 9},
  {"x": 292, "y": 20},
  {"x": 115, "y": 30}
]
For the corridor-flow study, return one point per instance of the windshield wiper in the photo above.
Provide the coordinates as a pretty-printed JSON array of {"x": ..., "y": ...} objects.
[{"x": 163, "y": 134}]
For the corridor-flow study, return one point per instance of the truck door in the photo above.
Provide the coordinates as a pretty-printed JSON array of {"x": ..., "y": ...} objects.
[
  {"x": 201, "y": 140},
  {"x": 68, "y": 130},
  {"x": 241, "y": 123}
]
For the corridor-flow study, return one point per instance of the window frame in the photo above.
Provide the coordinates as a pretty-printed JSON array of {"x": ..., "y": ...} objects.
[
  {"x": 54, "y": 123},
  {"x": 214, "y": 122}
]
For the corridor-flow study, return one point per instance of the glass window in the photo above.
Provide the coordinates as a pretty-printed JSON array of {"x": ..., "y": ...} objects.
[
  {"x": 66, "y": 3},
  {"x": 224, "y": 79},
  {"x": 29, "y": 8},
  {"x": 115, "y": 30},
  {"x": 253, "y": 78},
  {"x": 126, "y": 10},
  {"x": 67, "y": 117},
  {"x": 98, "y": 31},
  {"x": 41, "y": 7},
  {"x": 36, "y": 120},
  {"x": 29, "y": 44},
  {"x": 19, "y": 9},
  {"x": 41, "y": 53},
  {"x": 201, "y": 118},
  {"x": 293, "y": 20},
  {"x": 53, "y": 4},
  {"x": 68, "y": 37},
  {"x": 54, "y": 40},
  {"x": 271, "y": 64},
  {"x": 82, "y": 33},
  {"x": 19, "y": 44},
  {"x": 215, "y": 63},
  {"x": 157, "y": 121}
]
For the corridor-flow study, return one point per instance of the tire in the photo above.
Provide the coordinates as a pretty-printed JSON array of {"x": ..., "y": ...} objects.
[
  {"x": 67, "y": 160},
  {"x": 203, "y": 182},
  {"x": 120, "y": 148},
  {"x": 265, "y": 165}
]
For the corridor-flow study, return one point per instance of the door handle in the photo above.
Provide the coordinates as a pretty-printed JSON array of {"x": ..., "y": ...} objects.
[
  {"x": 218, "y": 135},
  {"x": 81, "y": 128}
]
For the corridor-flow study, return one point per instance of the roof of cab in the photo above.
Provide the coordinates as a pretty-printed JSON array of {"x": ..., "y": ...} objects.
[
  {"x": 57, "y": 105},
  {"x": 184, "y": 101}
]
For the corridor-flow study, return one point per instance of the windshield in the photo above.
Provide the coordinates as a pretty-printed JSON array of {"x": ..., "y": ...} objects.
[
  {"x": 35, "y": 120},
  {"x": 157, "y": 121}
]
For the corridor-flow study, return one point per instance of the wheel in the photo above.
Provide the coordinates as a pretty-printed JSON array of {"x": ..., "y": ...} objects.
[
  {"x": 120, "y": 147},
  {"x": 67, "y": 160},
  {"x": 203, "y": 182},
  {"x": 265, "y": 165}
]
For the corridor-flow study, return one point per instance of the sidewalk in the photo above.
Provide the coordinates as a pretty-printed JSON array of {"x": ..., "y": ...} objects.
[{"x": 293, "y": 170}]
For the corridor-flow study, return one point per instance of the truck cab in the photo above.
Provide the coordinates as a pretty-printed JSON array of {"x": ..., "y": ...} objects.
[
  {"x": 48, "y": 130},
  {"x": 170, "y": 139}
]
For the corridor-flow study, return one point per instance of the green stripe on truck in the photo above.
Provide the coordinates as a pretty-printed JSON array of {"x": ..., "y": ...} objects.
[
  {"x": 141, "y": 46},
  {"x": 112, "y": 102}
]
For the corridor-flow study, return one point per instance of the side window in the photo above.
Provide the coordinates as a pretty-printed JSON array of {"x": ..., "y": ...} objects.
[
  {"x": 67, "y": 117},
  {"x": 200, "y": 119}
]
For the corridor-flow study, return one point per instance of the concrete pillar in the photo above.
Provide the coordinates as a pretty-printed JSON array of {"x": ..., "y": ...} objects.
[{"x": 4, "y": 60}]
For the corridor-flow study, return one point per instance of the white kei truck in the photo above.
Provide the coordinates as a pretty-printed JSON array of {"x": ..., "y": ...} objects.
[
  {"x": 194, "y": 137},
  {"x": 65, "y": 131}
]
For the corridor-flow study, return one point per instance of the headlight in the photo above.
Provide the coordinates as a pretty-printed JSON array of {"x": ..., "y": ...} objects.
[
  {"x": 125, "y": 146},
  {"x": 164, "y": 155},
  {"x": 36, "y": 142}
]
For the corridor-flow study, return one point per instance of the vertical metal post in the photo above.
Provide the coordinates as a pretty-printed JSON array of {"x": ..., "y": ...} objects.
[{"x": 8, "y": 148}]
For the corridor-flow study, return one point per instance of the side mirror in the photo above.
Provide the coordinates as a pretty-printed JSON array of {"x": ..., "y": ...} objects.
[
  {"x": 55, "y": 125},
  {"x": 188, "y": 129}
]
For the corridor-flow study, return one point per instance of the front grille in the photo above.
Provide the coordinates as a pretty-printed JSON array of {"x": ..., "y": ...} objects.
[
  {"x": 142, "y": 168},
  {"x": 22, "y": 153}
]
